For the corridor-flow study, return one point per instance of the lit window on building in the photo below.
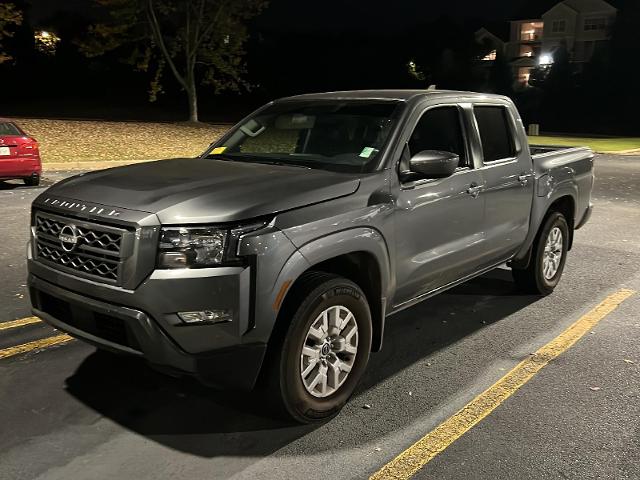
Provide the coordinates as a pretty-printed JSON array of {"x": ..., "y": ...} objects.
[
  {"x": 490, "y": 56},
  {"x": 46, "y": 42},
  {"x": 526, "y": 51},
  {"x": 524, "y": 74},
  {"x": 531, "y": 31}
]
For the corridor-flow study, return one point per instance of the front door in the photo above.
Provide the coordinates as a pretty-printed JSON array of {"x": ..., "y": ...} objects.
[{"x": 439, "y": 222}]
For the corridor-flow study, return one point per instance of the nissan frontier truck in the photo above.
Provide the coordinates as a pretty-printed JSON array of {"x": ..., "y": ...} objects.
[{"x": 276, "y": 257}]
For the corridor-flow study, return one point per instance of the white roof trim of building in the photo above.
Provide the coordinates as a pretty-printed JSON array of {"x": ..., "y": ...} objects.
[
  {"x": 484, "y": 33},
  {"x": 585, "y": 6}
]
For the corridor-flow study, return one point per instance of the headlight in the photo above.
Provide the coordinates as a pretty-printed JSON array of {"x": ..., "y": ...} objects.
[{"x": 184, "y": 247}]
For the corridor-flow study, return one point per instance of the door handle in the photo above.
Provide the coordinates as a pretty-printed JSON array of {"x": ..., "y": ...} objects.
[
  {"x": 523, "y": 179},
  {"x": 474, "y": 189}
]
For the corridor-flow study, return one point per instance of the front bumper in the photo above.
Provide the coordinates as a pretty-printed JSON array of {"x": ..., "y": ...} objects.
[{"x": 144, "y": 322}]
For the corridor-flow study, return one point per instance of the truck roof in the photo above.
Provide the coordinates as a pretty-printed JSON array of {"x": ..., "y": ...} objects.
[{"x": 401, "y": 95}]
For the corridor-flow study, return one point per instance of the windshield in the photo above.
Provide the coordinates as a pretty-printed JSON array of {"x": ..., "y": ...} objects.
[{"x": 345, "y": 136}]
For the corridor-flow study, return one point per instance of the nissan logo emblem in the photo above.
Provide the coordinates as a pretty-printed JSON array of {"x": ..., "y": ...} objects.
[{"x": 68, "y": 237}]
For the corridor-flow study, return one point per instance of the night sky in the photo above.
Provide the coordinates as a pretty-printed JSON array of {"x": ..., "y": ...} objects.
[{"x": 352, "y": 14}]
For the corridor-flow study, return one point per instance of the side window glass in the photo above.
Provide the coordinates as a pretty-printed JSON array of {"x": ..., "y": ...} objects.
[
  {"x": 440, "y": 129},
  {"x": 495, "y": 134}
]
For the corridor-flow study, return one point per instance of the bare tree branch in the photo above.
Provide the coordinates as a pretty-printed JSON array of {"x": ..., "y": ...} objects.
[
  {"x": 155, "y": 27},
  {"x": 211, "y": 25}
]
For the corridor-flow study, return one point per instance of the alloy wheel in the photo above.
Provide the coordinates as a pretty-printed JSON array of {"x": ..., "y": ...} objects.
[
  {"x": 329, "y": 351},
  {"x": 553, "y": 251}
]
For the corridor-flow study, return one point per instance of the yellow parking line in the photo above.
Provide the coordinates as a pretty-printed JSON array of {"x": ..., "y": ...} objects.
[
  {"x": 424, "y": 450},
  {"x": 35, "y": 345},
  {"x": 18, "y": 323}
]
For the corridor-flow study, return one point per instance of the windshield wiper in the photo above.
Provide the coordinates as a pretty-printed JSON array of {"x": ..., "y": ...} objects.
[
  {"x": 252, "y": 159},
  {"x": 283, "y": 164},
  {"x": 220, "y": 156}
]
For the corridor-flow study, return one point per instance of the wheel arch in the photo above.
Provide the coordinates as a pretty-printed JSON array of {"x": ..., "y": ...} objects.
[
  {"x": 360, "y": 255},
  {"x": 566, "y": 205},
  {"x": 563, "y": 201}
]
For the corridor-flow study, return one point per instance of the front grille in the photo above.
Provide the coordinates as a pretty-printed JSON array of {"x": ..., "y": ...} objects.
[
  {"x": 92, "y": 266},
  {"x": 89, "y": 237},
  {"x": 89, "y": 249}
]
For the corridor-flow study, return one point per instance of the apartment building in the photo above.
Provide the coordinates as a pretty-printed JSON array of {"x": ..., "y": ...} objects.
[{"x": 582, "y": 26}]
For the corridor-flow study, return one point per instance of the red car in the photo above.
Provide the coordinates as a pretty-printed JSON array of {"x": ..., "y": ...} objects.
[{"x": 19, "y": 154}]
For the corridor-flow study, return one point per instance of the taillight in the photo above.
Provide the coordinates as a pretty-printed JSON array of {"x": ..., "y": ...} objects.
[{"x": 29, "y": 148}]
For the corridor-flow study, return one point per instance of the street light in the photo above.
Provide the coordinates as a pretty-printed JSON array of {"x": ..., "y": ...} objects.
[{"x": 546, "y": 59}]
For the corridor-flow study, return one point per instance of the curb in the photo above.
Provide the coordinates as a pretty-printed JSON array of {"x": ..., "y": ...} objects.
[{"x": 635, "y": 151}]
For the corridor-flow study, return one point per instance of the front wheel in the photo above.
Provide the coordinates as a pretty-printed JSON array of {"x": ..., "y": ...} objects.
[
  {"x": 325, "y": 348},
  {"x": 548, "y": 258}
]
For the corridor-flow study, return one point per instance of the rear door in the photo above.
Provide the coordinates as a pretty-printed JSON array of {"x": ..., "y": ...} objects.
[
  {"x": 439, "y": 222},
  {"x": 508, "y": 174}
]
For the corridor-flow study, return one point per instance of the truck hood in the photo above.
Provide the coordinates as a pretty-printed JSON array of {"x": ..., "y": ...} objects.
[{"x": 188, "y": 190}]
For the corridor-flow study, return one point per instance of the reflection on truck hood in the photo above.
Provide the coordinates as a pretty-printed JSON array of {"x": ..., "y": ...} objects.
[{"x": 183, "y": 191}]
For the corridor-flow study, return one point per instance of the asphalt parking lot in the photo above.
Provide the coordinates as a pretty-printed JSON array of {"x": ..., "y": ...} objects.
[{"x": 68, "y": 411}]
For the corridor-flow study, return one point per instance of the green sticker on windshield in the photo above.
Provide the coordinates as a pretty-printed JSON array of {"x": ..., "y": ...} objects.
[{"x": 367, "y": 152}]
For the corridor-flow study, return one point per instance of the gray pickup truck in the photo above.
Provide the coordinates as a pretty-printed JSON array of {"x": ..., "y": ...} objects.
[{"x": 274, "y": 259}]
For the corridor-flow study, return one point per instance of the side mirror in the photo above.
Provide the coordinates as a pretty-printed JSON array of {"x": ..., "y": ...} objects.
[{"x": 434, "y": 163}]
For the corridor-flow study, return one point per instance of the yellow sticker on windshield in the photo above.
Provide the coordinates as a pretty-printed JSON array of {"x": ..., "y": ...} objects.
[{"x": 218, "y": 150}]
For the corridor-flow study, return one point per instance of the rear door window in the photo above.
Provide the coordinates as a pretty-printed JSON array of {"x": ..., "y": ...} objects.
[{"x": 495, "y": 133}]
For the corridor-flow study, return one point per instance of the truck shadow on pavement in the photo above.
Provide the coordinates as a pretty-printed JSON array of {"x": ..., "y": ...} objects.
[{"x": 183, "y": 415}]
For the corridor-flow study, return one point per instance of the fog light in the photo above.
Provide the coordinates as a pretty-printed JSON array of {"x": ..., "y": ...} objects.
[{"x": 206, "y": 316}]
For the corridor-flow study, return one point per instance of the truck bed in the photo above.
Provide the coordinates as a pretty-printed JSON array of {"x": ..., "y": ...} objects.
[
  {"x": 539, "y": 150},
  {"x": 564, "y": 169}
]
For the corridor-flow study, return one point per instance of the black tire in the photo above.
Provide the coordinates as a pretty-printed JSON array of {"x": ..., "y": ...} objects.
[
  {"x": 32, "y": 181},
  {"x": 313, "y": 293},
  {"x": 532, "y": 279}
]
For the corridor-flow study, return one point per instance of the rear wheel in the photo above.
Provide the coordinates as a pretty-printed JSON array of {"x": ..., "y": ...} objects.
[
  {"x": 32, "y": 181},
  {"x": 321, "y": 356},
  {"x": 548, "y": 257}
]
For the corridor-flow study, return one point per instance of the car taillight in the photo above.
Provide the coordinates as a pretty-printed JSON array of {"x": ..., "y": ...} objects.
[{"x": 29, "y": 148}]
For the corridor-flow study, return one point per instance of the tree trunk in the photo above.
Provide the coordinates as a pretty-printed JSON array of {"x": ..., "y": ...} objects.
[
  {"x": 192, "y": 96},
  {"x": 192, "y": 93}
]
